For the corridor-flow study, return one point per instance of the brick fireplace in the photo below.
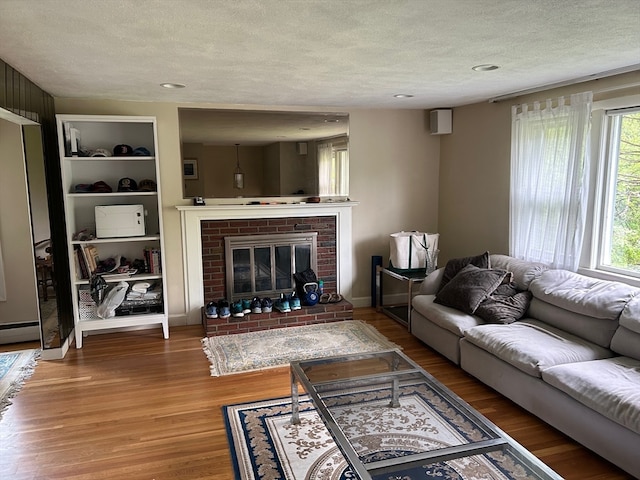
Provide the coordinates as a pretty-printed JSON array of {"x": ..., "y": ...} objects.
[
  {"x": 213, "y": 268},
  {"x": 203, "y": 232},
  {"x": 214, "y": 231}
]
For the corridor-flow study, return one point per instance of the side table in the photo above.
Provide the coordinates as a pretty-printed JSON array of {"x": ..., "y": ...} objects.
[{"x": 399, "y": 312}]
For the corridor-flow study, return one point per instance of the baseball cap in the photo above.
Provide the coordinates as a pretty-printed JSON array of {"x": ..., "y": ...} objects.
[
  {"x": 100, "y": 152},
  {"x": 122, "y": 150},
  {"x": 127, "y": 184},
  {"x": 147, "y": 185},
  {"x": 101, "y": 187},
  {"x": 142, "y": 151},
  {"x": 83, "y": 188}
]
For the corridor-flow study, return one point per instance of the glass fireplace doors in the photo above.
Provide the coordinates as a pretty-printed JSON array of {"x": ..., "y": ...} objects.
[{"x": 263, "y": 265}]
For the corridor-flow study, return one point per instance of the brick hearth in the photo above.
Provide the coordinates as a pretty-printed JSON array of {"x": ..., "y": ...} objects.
[
  {"x": 214, "y": 278},
  {"x": 320, "y": 313}
]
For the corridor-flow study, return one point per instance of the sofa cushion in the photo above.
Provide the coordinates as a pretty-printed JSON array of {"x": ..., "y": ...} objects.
[
  {"x": 608, "y": 386},
  {"x": 469, "y": 287},
  {"x": 626, "y": 340},
  {"x": 448, "y": 318},
  {"x": 532, "y": 346},
  {"x": 431, "y": 283},
  {"x": 595, "y": 330},
  {"x": 524, "y": 272},
  {"x": 580, "y": 294},
  {"x": 630, "y": 316},
  {"x": 505, "y": 305},
  {"x": 454, "y": 265}
]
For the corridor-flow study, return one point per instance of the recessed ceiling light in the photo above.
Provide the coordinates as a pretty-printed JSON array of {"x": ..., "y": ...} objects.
[
  {"x": 485, "y": 67},
  {"x": 331, "y": 120},
  {"x": 403, "y": 95},
  {"x": 172, "y": 85}
]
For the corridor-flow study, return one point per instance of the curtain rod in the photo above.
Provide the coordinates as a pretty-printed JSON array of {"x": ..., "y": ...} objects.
[{"x": 596, "y": 76}]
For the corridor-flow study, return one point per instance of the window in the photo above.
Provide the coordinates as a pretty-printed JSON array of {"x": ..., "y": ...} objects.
[
  {"x": 333, "y": 168},
  {"x": 618, "y": 231}
]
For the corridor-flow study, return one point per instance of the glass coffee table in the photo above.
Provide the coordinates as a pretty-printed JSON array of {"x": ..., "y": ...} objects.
[{"x": 392, "y": 419}]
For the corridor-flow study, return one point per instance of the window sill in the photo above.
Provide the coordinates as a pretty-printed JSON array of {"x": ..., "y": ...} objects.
[{"x": 603, "y": 275}]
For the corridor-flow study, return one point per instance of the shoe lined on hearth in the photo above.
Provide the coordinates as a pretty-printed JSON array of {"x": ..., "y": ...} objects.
[
  {"x": 246, "y": 305},
  {"x": 282, "y": 304},
  {"x": 267, "y": 305},
  {"x": 223, "y": 308},
  {"x": 256, "y": 305},
  {"x": 294, "y": 301},
  {"x": 236, "y": 309},
  {"x": 211, "y": 310}
]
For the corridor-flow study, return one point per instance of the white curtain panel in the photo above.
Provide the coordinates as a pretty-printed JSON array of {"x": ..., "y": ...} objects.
[
  {"x": 325, "y": 161},
  {"x": 549, "y": 180}
]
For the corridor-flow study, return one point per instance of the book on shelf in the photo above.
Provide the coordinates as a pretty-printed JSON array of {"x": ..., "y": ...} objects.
[
  {"x": 82, "y": 268},
  {"x": 91, "y": 252},
  {"x": 153, "y": 260}
]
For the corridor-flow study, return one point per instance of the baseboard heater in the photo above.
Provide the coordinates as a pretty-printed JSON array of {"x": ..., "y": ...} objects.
[{"x": 19, "y": 332}]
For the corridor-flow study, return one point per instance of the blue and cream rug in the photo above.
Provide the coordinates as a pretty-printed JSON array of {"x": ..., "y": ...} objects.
[
  {"x": 265, "y": 445},
  {"x": 245, "y": 352},
  {"x": 15, "y": 369}
]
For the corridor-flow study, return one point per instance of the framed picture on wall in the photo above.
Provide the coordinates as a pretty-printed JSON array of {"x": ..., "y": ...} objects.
[{"x": 190, "y": 168}]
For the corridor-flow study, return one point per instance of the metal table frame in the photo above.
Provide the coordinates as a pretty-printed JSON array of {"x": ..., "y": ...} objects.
[
  {"x": 497, "y": 438},
  {"x": 399, "y": 312}
]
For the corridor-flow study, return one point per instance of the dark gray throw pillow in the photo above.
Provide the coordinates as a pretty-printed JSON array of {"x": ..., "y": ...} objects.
[
  {"x": 470, "y": 287},
  {"x": 505, "y": 305},
  {"x": 454, "y": 265}
]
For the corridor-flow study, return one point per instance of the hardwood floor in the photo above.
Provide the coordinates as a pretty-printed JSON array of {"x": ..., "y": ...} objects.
[{"x": 134, "y": 406}]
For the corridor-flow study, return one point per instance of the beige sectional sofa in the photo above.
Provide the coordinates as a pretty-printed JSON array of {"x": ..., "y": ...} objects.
[{"x": 572, "y": 358}]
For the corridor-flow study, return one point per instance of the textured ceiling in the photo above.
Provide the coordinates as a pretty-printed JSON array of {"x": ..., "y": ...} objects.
[{"x": 331, "y": 53}]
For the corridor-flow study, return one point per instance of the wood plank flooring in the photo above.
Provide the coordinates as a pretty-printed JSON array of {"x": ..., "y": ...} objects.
[{"x": 134, "y": 406}]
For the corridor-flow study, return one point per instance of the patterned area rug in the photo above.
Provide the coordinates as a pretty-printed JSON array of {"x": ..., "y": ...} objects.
[
  {"x": 15, "y": 369},
  {"x": 246, "y": 352},
  {"x": 265, "y": 445}
]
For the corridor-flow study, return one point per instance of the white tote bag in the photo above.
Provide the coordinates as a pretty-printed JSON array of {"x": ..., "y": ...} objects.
[{"x": 413, "y": 250}]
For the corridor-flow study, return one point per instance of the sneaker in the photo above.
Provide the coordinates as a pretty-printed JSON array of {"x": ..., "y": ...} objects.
[
  {"x": 294, "y": 302},
  {"x": 211, "y": 310},
  {"x": 223, "y": 309},
  {"x": 256, "y": 305},
  {"x": 267, "y": 305},
  {"x": 236, "y": 309},
  {"x": 282, "y": 304},
  {"x": 246, "y": 305}
]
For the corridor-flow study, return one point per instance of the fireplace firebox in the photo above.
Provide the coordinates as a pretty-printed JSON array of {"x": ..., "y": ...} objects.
[{"x": 264, "y": 265}]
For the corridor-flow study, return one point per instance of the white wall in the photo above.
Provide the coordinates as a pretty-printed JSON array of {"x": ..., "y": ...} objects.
[{"x": 15, "y": 230}]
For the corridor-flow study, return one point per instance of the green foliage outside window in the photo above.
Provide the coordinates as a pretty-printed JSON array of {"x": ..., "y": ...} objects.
[{"x": 625, "y": 241}]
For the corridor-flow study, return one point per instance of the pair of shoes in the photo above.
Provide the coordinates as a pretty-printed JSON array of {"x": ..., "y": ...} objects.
[
  {"x": 267, "y": 305},
  {"x": 330, "y": 298},
  {"x": 294, "y": 301},
  {"x": 236, "y": 309},
  {"x": 223, "y": 309},
  {"x": 282, "y": 304},
  {"x": 211, "y": 310}
]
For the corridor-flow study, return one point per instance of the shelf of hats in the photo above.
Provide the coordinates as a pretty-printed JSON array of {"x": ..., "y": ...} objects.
[{"x": 114, "y": 225}]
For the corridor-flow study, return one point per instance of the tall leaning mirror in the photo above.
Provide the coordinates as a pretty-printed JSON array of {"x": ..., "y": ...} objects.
[{"x": 242, "y": 153}]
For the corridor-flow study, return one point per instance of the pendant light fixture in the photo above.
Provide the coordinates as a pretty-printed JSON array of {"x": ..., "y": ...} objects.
[{"x": 238, "y": 175}]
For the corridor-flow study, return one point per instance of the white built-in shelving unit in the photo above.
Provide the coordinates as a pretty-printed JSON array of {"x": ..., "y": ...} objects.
[{"x": 105, "y": 132}]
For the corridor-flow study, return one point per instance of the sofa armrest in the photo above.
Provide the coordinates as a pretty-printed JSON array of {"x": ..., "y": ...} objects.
[{"x": 431, "y": 282}]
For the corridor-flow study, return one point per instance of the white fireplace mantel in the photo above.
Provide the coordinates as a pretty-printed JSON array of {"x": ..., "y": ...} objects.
[{"x": 192, "y": 216}]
